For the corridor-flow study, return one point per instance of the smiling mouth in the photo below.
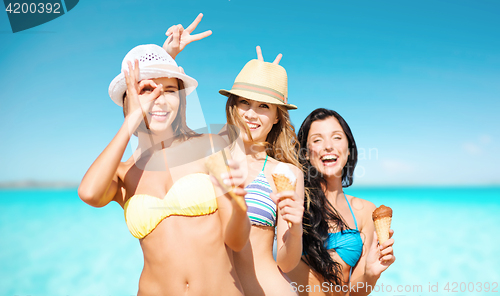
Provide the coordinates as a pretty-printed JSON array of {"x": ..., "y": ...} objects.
[
  {"x": 159, "y": 115},
  {"x": 252, "y": 126},
  {"x": 329, "y": 160}
]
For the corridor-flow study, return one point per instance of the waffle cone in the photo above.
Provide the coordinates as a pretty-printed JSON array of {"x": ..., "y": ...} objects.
[
  {"x": 382, "y": 226},
  {"x": 283, "y": 183},
  {"x": 216, "y": 166}
]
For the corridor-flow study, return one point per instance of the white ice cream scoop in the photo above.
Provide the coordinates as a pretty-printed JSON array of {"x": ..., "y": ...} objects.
[{"x": 284, "y": 169}]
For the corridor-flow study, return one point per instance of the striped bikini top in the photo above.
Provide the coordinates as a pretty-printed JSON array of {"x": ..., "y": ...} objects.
[{"x": 261, "y": 208}]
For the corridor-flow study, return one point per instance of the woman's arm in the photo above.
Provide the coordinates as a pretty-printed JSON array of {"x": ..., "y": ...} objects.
[
  {"x": 289, "y": 223},
  {"x": 234, "y": 219},
  {"x": 99, "y": 186},
  {"x": 235, "y": 222},
  {"x": 375, "y": 259}
]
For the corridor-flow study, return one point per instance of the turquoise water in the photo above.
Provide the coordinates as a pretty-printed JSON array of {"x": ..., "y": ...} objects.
[
  {"x": 442, "y": 235},
  {"x": 54, "y": 244}
]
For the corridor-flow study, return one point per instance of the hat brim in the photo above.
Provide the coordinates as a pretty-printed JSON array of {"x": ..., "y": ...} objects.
[
  {"x": 256, "y": 97},
  {"x": 118, "y": 86}
]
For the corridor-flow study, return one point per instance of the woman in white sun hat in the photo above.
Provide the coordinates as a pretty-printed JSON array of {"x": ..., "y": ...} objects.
[
  {"x": 185, "y": 227},
  {"x": 257, "y": 106}
]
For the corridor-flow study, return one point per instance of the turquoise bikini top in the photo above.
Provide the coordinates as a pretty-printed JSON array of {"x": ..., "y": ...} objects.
[{"x": 347, "y": 243}]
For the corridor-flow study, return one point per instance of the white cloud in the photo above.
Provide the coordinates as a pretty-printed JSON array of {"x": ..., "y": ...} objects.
[
  {"x": 485, "y": 139},
  {"x": 472, "y": 148},
  {"x": 476, "y": 148}
]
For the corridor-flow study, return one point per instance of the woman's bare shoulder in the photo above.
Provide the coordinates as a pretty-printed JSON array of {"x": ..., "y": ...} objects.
[
  {"x": 274, "y": 162},
  {"x": 362, "y": 206}
]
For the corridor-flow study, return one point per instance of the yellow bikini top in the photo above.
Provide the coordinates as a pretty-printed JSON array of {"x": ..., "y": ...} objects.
[{"x": 191, "y": 195}]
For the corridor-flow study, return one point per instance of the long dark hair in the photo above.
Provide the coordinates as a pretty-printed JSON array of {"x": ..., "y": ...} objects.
[{"x": 320, "y": 216}]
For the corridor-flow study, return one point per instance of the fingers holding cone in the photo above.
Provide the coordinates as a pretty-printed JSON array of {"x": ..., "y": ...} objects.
[
  {"x": 218, "y": 166},
  {"x": 284, "y": 180}
]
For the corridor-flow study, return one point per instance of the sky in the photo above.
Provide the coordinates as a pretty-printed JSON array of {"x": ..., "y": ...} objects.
[{"x": 417, "y": 81}]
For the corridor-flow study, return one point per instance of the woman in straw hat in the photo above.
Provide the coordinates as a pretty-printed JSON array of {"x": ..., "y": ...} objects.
[
  {"x": 340, "y": 244},
  {"x": 184, "y": 230},
  {"x": 258, "y": 106},
  {"x": 257, "y": 112}
]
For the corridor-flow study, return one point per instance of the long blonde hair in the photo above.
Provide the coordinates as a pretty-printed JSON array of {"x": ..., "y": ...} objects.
[{"x": 281, "y": 142}]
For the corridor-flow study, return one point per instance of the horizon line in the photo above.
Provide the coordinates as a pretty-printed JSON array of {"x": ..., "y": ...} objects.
[{"x": 34, "y": 184}]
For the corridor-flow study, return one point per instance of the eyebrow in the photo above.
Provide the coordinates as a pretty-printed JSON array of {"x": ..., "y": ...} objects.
[
  {"x": 319, "y": 134},
  {"x": 171, "y": 86}
]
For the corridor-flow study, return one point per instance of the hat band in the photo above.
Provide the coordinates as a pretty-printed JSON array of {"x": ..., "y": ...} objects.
[
  {"x": 260, "y": 90},
  {"x": 164, "y": 67}
]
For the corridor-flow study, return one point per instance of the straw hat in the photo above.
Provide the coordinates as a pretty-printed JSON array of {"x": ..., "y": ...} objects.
[
  {"x": 261, "y": 81},
  {"x": 154, "y": 62}
]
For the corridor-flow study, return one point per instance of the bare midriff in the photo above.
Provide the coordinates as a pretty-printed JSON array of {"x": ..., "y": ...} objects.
[
  {"x": 187, "y": 256},
  {"x": 309, "y": 283},
  {"x": 258, "y": 271}
]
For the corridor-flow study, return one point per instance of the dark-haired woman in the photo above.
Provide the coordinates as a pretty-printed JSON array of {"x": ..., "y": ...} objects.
[{"x": 341, "y": 255}]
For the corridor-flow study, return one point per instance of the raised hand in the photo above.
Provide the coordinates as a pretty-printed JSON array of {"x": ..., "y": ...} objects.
[
  {"x": 261, "y": 58},
  {"x": 140, "y": 95},
  {"x": 227, "y": 179},
  {"x": 178, "y": 37},
  {"x": 235, "y": 178},
  {"x": 380, "y": 257}
]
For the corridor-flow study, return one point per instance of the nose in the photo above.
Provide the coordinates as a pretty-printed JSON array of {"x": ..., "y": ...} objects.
[
  {"x": 250, "y": 114},
  {"x": 161, "y": 100},
  {"x": 328, "y": 144}
]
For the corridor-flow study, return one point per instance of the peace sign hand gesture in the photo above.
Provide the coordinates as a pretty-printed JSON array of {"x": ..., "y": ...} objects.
[
  {"x": 178, "y": 37},
  {"x": 261, "y": 58}
]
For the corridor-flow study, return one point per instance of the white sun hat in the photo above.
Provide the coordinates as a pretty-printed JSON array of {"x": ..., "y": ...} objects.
[{"x": 154, "y": 62}]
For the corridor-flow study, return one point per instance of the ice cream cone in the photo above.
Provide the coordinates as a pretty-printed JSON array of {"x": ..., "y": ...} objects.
[
  {"x": 382, "y": 217},
  {"x": 216, "y": 165},
  {"x": 283, "y": 184}
]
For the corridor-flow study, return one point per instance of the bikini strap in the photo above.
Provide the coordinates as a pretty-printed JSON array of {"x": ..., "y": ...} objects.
[
  {"x": 265, "y": 161},
  {"x": 354, "y": 217}
]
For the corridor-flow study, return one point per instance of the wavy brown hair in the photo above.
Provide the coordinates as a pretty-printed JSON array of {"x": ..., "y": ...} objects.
[{"x": 280, "y": 142}]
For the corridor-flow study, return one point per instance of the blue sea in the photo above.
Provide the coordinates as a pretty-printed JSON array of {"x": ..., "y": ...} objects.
[{"x": 446, "y": 243}]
